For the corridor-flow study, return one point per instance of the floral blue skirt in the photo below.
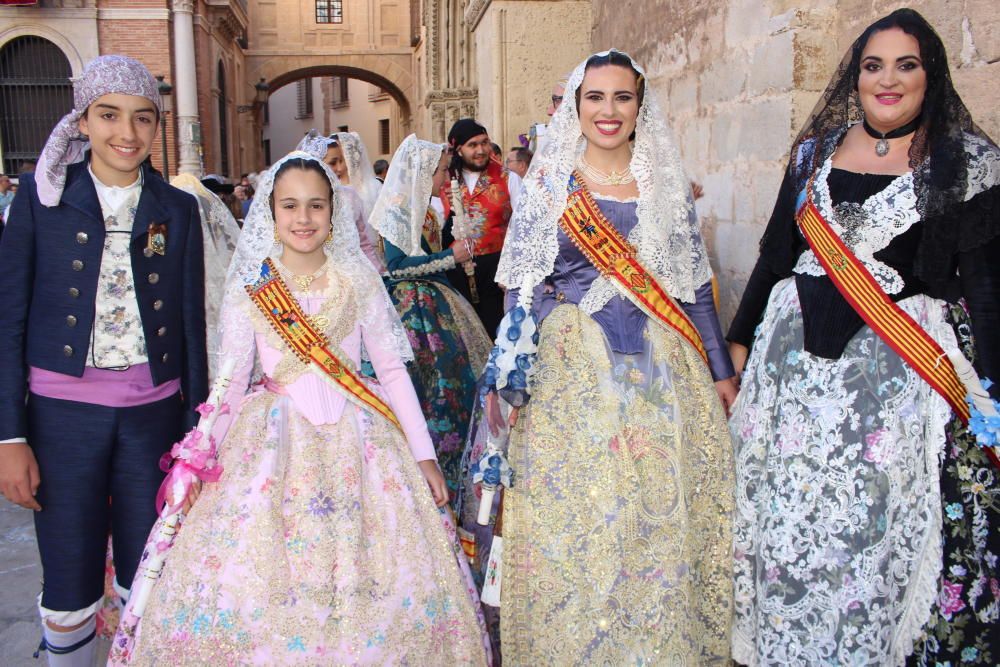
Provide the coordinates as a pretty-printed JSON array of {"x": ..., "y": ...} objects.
[{"x": 450, "y": 347}]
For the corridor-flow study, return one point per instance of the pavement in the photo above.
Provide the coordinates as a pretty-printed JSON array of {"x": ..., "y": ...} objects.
[{"x": 20, "y": 584}]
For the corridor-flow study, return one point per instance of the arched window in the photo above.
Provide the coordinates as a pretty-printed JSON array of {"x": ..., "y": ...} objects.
[
  {"x": 223, "y": 122},
  {"x": 35, "y": 92}
]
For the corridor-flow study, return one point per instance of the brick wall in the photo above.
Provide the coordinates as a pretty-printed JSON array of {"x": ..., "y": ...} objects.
[
  {"x": 148, "y": 41},
  {"x": 738, "y": 79}
]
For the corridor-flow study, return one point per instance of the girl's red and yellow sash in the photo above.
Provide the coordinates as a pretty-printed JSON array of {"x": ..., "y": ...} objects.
[
  {"x": 614, "y": 257},
  {"x": 892, "y": 324},
  {"x": 285, "y": 315}
]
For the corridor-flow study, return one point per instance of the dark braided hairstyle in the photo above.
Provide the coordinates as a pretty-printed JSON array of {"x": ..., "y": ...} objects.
[{"x": 301, "y": 164}]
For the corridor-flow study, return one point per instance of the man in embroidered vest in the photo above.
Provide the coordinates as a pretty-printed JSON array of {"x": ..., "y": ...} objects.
[
  {"x": 102, "y": 327},
  {"x": 488, "y": 197}
]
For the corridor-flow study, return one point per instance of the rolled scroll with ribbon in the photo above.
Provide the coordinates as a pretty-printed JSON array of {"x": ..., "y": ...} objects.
[
  {"x": 491, "y": 472},
  {"x": 191, "y": 459}
]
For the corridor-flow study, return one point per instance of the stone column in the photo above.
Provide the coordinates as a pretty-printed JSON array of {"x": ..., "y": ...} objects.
[{"x": 186, "y": 89}]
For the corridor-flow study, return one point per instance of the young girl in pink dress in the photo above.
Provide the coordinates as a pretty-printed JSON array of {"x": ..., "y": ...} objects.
[{"x": 320, "y": 543}]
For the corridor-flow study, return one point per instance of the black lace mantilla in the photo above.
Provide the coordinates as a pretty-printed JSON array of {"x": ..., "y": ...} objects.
[{"x": 950, "y": 157}]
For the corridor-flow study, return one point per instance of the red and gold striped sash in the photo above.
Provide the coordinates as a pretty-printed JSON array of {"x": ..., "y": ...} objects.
[
  {"x": 286, "y": 317},
  {"x": 614, "y": 257},
  {"x": 892, "y": 324}
]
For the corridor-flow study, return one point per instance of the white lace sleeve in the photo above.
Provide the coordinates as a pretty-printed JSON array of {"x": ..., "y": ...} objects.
[{"x": 238, "y": 346}]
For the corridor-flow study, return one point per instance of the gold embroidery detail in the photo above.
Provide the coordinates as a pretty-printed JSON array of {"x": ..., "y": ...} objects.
[{"x": 617, "y": 535}]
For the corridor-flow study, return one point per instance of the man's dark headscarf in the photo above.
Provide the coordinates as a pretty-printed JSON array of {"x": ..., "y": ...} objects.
[{"x": 463, "y": 130}]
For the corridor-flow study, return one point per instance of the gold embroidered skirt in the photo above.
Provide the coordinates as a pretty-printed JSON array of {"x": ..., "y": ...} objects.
[{"x": 618, "y": 530}]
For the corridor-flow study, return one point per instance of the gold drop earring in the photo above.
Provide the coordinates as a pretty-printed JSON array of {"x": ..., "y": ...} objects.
[
  {"x": 276, "y": 239},
  {"x": 329, "y": 235}
]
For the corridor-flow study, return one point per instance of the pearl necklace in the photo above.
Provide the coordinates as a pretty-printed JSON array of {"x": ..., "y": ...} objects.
[
  {"x": 598, "y": 177},
  {"x": 305, "y": 281}
]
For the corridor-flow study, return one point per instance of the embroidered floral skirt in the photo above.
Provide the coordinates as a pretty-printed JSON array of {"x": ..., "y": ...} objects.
[
  {"x": 320, "y": 545},
  {"x": 838, "y": 538},
  {"x": 617, "y": 531},
  {"x": 450, "y": 347}
]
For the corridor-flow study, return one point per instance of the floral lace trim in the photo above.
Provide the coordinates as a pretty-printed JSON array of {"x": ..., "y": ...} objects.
[
  {"x": 984, "y": 166},
  {"x": 427, "y": 268},
  {"x": 400, "y": 213},
  {"x": 512, "y": 360},
  {"x": 866, "y": 228},
  {"x": 759, "y": 435}
]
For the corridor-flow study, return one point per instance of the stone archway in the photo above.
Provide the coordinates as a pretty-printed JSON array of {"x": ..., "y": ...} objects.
[{"x": 392, "y": 73}]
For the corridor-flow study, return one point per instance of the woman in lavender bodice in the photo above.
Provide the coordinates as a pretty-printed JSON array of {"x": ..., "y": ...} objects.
[{"x": 617, "y": 524}]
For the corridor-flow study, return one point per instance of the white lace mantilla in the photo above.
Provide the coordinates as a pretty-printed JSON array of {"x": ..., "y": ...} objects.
[
  {"x": 865, "y": 228},
  {"x": 221, "y": 234},
  {"x": 376, "y": 312},
  {"x": 667, "y": 236},
  {"x": 359, "y": 169},
  {"x": 401, "y": 208}
]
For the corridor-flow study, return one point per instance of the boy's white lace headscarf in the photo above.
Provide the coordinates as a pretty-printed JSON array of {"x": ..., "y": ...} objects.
[
  {"x": 104, "y": 75},
  {"x": 360, "y": 172},
  {"x": 401, "y": 206},
  {"x": 375, "y": 313},
  {"x": 667, "y": 236}
]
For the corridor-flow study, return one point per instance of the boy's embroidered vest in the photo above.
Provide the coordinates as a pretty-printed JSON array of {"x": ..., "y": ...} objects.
[{"x": 117, "y": 340}]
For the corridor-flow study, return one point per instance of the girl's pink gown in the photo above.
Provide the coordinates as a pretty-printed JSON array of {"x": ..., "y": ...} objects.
[{"x": 321, "y": 543}]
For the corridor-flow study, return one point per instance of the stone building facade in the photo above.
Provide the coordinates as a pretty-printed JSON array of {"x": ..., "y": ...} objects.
[
  {"x": 373, "y": 43},
  {"x": 335, "y": 104},
  {"x": 148, "y": 30},
  {"x": 738, "y": 79},
  {"x": 445, "y": 64},
  {"x": 523, "y": 47},
  {"x": 495, "y": 60}
]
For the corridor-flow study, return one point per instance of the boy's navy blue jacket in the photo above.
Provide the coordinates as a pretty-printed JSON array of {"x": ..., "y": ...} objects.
[{"x": 50, "y": 260}]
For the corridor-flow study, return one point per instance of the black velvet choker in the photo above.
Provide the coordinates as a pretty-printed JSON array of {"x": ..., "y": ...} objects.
[{"x": 882, "y": 145}]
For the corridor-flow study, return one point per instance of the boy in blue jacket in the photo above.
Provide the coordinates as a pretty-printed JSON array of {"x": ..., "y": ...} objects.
[{"x": 102, "y": 344}]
